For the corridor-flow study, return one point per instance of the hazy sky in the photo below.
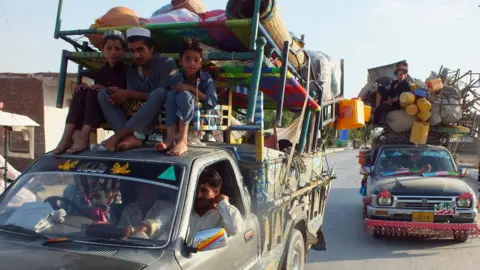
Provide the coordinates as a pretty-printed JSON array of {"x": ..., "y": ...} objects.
[{"x": 367, "y": 33}]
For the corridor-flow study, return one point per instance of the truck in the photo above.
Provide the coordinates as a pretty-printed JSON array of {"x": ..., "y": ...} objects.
[{"x": 78, "y": 205}]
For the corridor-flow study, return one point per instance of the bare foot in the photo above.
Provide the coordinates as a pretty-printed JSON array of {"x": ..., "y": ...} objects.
[
  {"x": 129, "y": 143},
  {"x": 111, "y": 143},
  {"x": 63, "y": 145},
  {"x": 179, "y": 149},
  {"x": 164, "y": 146},
  {"x": 79, "y": 147}
]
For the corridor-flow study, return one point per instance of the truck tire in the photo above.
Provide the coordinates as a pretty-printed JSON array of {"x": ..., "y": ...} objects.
[
  {"x": 295, "y": 257},
  {"x": 461, "y": 238}
]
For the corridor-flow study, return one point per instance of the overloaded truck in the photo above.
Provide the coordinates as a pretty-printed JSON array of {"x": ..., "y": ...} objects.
[
  {"x": 411, "y": 182},
  {"x": 66, "y": 211}
]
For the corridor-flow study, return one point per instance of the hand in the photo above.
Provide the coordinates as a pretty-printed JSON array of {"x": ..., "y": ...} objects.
[
  {"x": 219, "y": 198},
  {"x": 97, "y": 87},
  {"x": 128, "y": 231},
  {"x": 181, "y": 87},
  {"x": 118, "y": 96},
  {"x": 80, "y": 87}
]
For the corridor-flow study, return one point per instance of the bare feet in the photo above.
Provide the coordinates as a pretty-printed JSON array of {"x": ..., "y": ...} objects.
[
  {"x": 179, "y": 149},
  {"x": 129, "y": 143},
  {"x": 79, "y": 147},
  {"x": 63, "y": 145},
  {"x": 111, "y": 143},
  {"x": 164, "y": 146}
]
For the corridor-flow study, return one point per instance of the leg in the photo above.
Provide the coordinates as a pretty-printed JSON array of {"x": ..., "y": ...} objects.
[
  {"x": 185, "y": 106},
  {"x": 380, "y": 111},
  {"x": 114, "y": 116},
  {"x": 74, "y": 120},
  {"x": 92, "y": 119},
  {"x": 170, "y": 119},
  {"x": 143, "y": 121}
]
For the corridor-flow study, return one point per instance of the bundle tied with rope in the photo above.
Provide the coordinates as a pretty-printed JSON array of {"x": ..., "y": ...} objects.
[{"x": 272, "y": 22}]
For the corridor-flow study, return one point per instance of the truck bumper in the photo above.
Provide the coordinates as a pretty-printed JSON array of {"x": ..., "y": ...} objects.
[{"x": 403, "y": 228}]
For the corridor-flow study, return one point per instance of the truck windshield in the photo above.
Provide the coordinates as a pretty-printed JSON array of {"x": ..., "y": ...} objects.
[
  {"x": 123, "y": 203},
  {"x": 414, "y": 161}
]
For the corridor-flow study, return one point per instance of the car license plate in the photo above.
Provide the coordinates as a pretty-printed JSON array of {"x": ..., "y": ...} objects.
[{"x": 422, "y": 217}]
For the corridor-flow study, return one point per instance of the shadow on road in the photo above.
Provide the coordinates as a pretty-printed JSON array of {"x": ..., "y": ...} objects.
[{"x": 346, "y": 239}]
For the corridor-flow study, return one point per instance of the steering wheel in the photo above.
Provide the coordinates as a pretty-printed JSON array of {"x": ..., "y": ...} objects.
[{"x": 53, "y": 201}]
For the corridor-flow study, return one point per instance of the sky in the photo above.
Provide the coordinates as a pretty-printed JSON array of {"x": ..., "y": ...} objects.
[{"x": 366, "y": 34}]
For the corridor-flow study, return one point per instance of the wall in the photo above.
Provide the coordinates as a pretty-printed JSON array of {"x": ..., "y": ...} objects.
[{"x": 24, "y": 95}]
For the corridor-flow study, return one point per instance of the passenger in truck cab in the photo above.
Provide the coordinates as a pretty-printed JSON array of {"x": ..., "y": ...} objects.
[
  {"x": 211, "y": 208},
  {"x": 390, "y": 100},
  {"x": 190, "y": 87},
  {"x": 85, "y": 112},
  {"x": 136, "y": 108}
]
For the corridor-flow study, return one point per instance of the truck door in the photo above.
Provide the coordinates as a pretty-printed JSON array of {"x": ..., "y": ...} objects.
[{"x": 243, "y": 249}]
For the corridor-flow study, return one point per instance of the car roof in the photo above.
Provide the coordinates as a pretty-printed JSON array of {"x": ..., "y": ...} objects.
[
  {"x": 403, "y": 146},
  {"x": 146, "y": 153}
]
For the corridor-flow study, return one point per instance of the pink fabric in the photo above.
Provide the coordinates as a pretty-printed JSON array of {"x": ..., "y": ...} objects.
[
  {"x": 178, "y": 15},
  {"x": 214, "y": 15}
]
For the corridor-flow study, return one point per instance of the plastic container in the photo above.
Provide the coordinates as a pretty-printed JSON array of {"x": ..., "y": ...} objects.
[
  {"x": 367, "y": 110},
  {"x": 420, "y": 93},
  {"x": 424, "y": 105},
  {"x": 352, "y": 114},
  {"x": 364, "y": 156},
  {"x": 407, "y": 98},
  {"x": 424, "y": 116},
  {"x": 419, "y": 132},
  {"x": 411, "y": 109},
  {"x": 343, "y": 135},
  {"x": 435, "y": 84}
]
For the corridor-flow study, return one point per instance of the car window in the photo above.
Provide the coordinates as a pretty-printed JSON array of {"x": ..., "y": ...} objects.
[
  {"x": 414, "y": 160},
  {"x": 90, "y": 200}
]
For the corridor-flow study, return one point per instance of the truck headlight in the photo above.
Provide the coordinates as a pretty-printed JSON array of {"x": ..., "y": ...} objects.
[
  {"x": 464, "y": 200},
  {"x": 384, "y": 198}
]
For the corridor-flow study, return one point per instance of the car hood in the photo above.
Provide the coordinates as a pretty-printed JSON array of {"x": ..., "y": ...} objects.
[
  {"x": 35, "y": 257},
  {"x": 444, "y": 186}
]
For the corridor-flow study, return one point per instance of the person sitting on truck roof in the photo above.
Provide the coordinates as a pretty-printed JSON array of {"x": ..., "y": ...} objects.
[
  {"x": 144, "y": 97},
  {"x": 85, "y": 112},
  {"x": 391, "y": 98},
  {"x": 212, "y": 209},
  {"x": 404, "y": 65},
  {"x": 148, "y": 216},
  {"x": 190, "y": 86}
]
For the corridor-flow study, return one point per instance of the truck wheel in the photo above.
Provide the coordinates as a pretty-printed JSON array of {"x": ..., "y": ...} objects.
[
  {"x": 461, "y": 238},
  {"x": 295, "y": 258}
]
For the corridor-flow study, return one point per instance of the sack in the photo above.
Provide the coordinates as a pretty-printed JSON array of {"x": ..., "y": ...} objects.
[
  {"x": 162, "y": 10},
  {"x": 400, "y": 121},
  {"x": 177, "y": 15}
]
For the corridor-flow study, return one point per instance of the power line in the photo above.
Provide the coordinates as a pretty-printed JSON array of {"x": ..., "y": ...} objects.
[{"x": 9, "y": 27}]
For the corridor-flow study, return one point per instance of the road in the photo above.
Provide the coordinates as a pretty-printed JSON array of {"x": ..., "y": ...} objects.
[{"x": 349, "y": 247}]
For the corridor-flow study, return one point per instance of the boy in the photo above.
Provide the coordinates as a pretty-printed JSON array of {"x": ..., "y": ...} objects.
[{"x": 191, "y": 87}]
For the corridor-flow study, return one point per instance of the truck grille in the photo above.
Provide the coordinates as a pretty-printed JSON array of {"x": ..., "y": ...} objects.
[{"x": 419, "y": 203}]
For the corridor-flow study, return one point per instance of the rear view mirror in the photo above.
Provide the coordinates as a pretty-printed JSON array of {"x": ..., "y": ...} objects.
[
  {"x": 209, "y": 240},
  {"x": 365, "y": 170}
]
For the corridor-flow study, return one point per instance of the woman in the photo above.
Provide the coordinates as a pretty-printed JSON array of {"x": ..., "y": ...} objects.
[
  {"x": 390, "y": 99},
  {"x": 85, "y": 112}
]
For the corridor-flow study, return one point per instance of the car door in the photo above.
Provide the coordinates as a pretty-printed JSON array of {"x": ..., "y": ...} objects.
[{"x": 242, "y": 250}]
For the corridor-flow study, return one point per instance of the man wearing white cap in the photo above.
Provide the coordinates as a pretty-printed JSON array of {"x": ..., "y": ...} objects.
[{"x": 137, "y": 108}]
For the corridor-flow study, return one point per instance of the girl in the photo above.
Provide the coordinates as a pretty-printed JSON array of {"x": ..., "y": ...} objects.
[
  {"x": 85, "y": 113},
  {"x": 191, "y": 87}
]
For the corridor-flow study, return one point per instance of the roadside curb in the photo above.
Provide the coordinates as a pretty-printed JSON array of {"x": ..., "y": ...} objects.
[{"x": 334, "y": 150}]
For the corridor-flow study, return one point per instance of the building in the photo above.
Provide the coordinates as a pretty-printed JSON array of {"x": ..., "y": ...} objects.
[{"x": 35, "y": 95}]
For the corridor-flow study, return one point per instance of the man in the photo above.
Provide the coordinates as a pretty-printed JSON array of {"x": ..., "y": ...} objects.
[
  {"x": 404, "y": 65},
  {"x": 212, "y": 209},
  {"x": 147, "y": 79},
  {"x": 148, "y": 217}
]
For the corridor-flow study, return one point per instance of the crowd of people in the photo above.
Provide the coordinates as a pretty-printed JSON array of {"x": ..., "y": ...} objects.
[{"x": 130, "y": 98}]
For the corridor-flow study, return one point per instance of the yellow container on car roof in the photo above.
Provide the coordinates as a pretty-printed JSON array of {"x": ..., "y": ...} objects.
[
  {"x": 407, "y": 98},
  {"x": 411, "y": 109},
  {"x": 424, "y": 105},
  {"x": 419, "y": 133},
  {"x": 424, "y": 116}
]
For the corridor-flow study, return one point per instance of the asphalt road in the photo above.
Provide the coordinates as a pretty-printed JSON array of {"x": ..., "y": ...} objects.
[{"x": 349, "y": 247}]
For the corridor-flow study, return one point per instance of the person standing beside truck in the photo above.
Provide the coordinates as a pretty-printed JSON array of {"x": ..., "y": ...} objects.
[
  {"x": 189, "y": 87},
  {"x": 391, "y": 98},
  {"x": 136, "y": 109},
  {"x": 85, "y": 113},
  {"x": 212, "y": 209}
]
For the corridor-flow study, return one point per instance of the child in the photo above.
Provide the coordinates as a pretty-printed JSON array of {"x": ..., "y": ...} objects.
[
  {"x": 191, "y": 87},
  {"x": 85, "y": 112}
]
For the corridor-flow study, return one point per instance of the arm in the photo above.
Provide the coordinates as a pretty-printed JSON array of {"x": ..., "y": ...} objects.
[
  {"x": 132, "y": 93},
  {"x": 162, "y": 218},
  {"x": 378, "y": 99},
  {"x": 231, "y": 219}
]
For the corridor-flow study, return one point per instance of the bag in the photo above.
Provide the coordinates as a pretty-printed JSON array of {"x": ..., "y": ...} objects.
[{"x": 400, "y": 121}]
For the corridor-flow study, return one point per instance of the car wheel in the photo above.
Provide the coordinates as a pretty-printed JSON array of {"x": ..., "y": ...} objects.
[
  {"x": 461, "y": 238},
  {"x": 295, "y": 258},
  {"x": 376, "y": 233}
]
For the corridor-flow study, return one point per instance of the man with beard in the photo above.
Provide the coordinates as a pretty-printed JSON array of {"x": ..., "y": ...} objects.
[{"x": 212, "y": 209}]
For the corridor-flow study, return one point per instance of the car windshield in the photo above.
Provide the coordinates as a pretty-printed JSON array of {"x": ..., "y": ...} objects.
[
  {"x": 413, "y": 161},
  {"x": 124, "y": 203}
]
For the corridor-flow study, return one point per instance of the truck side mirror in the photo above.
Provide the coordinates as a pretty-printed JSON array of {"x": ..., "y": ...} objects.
[
  {"x": 366, "y": 170},
  {"x": 209, "y": 240},
  {"x": 463, "y": 172}
]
